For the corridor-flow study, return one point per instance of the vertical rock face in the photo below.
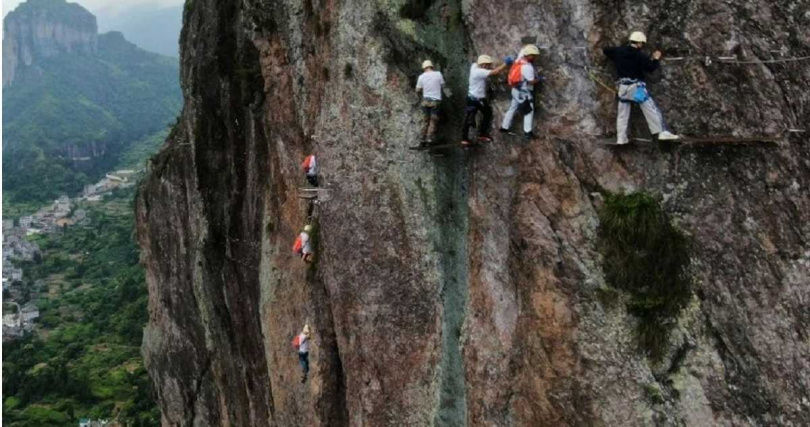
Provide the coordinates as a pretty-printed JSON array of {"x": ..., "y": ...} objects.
[
  {"x": 465, "y": 289},
  {"x": 43, "y": 28}
]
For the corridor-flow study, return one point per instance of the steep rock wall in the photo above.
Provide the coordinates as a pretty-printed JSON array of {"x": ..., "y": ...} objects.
[
  {"x": 42, "y": 28},
  {"x": 466, "y": 289}
]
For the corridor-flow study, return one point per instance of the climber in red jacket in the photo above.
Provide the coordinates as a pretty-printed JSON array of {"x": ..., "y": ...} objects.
[
  {"x": 310, "y": 167},
  {"x": 522, "y": 78},
  {"x": 303, "y": 245},
  {"x": 301, "y": 343}
]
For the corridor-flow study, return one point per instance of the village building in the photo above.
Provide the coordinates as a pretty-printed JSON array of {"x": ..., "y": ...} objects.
[
  {"x": 64, "y": 222},
  {"x": 26, "y": 221},
  {"x": 29, "y": 313}
]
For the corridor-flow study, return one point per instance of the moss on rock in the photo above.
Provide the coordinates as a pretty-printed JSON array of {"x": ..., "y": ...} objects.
[{"x": 645, "y": 256}]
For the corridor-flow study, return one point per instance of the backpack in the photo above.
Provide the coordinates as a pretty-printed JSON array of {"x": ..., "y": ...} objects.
[
  {"x": 298, "y": 246},
  {"x": 516, "y": 73},
  {"x": 307, "y": 162},
  {"x": 296, "y": 342}
]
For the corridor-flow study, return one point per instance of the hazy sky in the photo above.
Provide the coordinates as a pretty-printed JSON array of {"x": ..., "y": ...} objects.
[{"x": 103, "y": 7}]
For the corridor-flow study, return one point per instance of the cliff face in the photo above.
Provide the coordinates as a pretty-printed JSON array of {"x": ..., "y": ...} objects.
[
  {"x": 469, "y": 288},
  {"x": 40, "y": 29}
]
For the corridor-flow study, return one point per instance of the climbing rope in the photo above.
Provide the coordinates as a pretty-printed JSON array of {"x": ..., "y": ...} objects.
[
  {"x": 707, "y": 59},
  {"x": 733, "y": 59},
  {"x": 592, "y": 76}
]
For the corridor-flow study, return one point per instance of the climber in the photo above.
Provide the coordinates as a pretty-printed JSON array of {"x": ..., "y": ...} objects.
[
  {"x": 522, "y": 78},
  {"x": 301, "y": 342},
  {"x": 631, "y": 65},
  {"x": 303, "y": 244},
  {"x": 429, "y": 85},
  {"x": 477, "y": 97},
  {"x": 310, "y": 168}
]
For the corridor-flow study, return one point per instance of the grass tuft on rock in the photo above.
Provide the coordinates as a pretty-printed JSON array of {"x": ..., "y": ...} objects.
[{"x": 647, "y": 258}]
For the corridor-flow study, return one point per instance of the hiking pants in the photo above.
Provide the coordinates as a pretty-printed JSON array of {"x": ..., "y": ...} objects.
[
  {"x": 655, "y": 120},
  {"x": 518, "y": 96},
  {"x": 313, "y": 180},
  {"x": 303, "y": 360},
  {"x": 474, "y": 105},
  {"x": 430, "y": 110}
]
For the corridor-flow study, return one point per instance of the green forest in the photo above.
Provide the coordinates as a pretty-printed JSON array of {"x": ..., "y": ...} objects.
[
  {"x": 69, "y": 118},
  {"x": 67, "y": 124},
  {"x": 84, "y": 361}
]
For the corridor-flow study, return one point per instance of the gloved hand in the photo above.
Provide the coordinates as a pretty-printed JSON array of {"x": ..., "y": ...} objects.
[{"x": 508, "y": 60}]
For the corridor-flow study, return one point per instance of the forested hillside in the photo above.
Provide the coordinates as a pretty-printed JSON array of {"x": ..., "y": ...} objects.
[
  {"x": 83, "y": 360},
  {"x": 69, "y": 113}
]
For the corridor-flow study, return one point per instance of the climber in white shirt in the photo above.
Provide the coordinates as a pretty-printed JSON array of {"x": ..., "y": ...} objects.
[
  {"x": 429, "y": 85},
  {"x": 477, "y": 99},
  {"x": 522, "y": 78}
]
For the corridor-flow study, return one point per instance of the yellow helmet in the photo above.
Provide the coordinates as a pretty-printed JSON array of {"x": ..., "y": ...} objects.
[
  {"x": 529, "y": 49},
  {"x": 484, "y": 59},
  {"x": 638, "y": 37},
  {"x": 427, "y": 64},
  {"x": 307, "y": 228}
]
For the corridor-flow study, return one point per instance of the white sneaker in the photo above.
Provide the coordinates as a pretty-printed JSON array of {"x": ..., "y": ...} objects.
[{"x": 668, "y": 136}]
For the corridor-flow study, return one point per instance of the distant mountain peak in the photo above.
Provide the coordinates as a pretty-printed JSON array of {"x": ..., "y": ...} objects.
[
  {"x": 55, "y": 8},
  {"x": 40, "y": 29}
]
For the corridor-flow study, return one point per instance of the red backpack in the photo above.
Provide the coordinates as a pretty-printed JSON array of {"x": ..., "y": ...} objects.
[
  {"x": 296, "y": 342},
  {"x": 298, "y": 246},
  {"x": 516, "y": 72},
  {"x": 307, "y": 162}
]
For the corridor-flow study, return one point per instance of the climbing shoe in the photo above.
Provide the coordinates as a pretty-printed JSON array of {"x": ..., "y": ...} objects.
[
  {"x": 465, "y": 143},
  {"x": 484, "y": 138},
  {"x": 506, "y": 131},
  {"x": 528, "y": 135},
  {"x": 668, "y": 136}
]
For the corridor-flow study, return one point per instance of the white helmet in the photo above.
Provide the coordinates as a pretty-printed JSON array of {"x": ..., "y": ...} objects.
[
  {"x": 638, "y": 37},
  {"x": 529, "y": 49},
  {"x": 484, "y": 59},
  {"x": 307, "y": 228},
  {"x": 427, "y": 64}
]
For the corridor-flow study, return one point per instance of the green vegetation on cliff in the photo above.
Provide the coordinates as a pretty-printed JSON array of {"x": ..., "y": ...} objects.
[
  {"x": 84, "y": 361},
  {"x": 645, "y": 256}
]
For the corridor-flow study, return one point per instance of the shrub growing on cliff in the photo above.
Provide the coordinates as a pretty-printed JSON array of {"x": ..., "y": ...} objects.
[{"x": 645, "y": 256}]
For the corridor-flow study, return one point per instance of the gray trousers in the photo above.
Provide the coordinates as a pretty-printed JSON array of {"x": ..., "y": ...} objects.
[{"x": 655, "y": 120}]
